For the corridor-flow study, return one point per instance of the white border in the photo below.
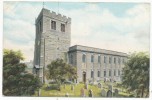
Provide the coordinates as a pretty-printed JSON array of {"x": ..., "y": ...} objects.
[{"x": 58, "y": 98}]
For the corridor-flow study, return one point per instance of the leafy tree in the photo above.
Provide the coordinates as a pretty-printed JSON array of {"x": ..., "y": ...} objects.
[
  {"x": 16, "y": 81},
  {"x": 136, "y": 73},
  {"x": 58, "y": 70}
]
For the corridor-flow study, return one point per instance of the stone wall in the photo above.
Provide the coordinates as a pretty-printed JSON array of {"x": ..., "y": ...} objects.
[{"x": 96, "y": 66}]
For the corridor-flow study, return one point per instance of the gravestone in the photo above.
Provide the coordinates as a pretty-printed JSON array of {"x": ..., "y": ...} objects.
[
  {"x": 109, "y": 93},
  {"x": 90, "y": 93},
  {"x": 110, "y": 87},
  {"x": 67, "y": 95},
  {"x": 99, "y": 85},
  {"x": 86, "y": 86},
  {"x": 116, "y": 92},
  {"x": 103, "y": 93},
  {"x": 39, "y": 92},
  {"x": 72, "y": 87},
  {"x": 82, "y": 92}
]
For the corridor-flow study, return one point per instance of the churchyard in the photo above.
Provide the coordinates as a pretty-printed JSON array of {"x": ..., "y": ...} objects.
[{"x": 100, "y": 89}]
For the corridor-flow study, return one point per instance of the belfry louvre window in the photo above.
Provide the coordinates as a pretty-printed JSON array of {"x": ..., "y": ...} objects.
[
  {"x": 53, "y": 25},
  {"x": 62, "y": 27}
]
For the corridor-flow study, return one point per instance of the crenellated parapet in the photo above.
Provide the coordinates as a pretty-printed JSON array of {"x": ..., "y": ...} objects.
[{"x": 53, "y": 15}]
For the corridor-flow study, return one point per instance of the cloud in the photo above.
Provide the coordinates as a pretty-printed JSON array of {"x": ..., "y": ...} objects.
[
  {"x": 92, "y": 26},
  {"x": 103, "y": 29}
]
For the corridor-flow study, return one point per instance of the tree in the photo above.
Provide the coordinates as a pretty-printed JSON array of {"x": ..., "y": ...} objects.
[
  {"x": 136, "y": 73},
  {"x": 16, "y": 81},
  {"x": 58, "y": 70}
]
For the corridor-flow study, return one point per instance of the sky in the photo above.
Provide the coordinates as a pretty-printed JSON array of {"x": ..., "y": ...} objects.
[{"x": 123, "y": 27}]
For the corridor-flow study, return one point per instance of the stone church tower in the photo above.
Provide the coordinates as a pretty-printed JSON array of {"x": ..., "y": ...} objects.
[{"x": 53, "y": 38}]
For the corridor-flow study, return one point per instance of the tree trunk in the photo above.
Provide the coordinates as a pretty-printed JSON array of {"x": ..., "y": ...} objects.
[{"x": 142, "y": 92}]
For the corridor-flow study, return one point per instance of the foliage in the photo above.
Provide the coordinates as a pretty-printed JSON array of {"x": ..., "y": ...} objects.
[
  {"x": 58, "y": 70},
  {"x": 136, "y": 73},
  {"x": 16, "y": 81}
]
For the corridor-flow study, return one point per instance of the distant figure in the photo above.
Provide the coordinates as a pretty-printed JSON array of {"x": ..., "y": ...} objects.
[
  {"x": 90, "y": 93},
  {"x": 82, "y": 92}
]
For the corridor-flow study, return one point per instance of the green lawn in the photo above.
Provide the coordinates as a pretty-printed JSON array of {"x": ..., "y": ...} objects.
[{"x": 77, "y": 88}]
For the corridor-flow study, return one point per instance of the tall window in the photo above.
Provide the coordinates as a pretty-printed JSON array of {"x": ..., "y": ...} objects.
[
  {"x": 104, "y": 59},
  {"x": 110, "y": 60},
  {"x": 123, "y": 61},
  {"x": 92, "y": 74},
  {"x": 109, "y": 72},
  {"x": 104, "y": 73},
  {"x": 114, "y": 72},
  {"x": 98, "y": 73},
  {"x": 83, "y": 58},
  {"x": 92, "y": 58},
  {"x": 118, "y": 72},
  {"x": 53, "y": 25},
  {"x": 71, "y": 59},
  {"x": 99, "y": 59},
  {"x": 114, "y": 60},
  {"x": 62, "y": 27},
  {"x": 119, "y": 60}
]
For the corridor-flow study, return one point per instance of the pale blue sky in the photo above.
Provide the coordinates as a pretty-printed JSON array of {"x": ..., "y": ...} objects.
[{"x": 123, "y": 27}]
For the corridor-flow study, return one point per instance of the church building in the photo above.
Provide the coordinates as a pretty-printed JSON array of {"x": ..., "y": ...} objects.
[{"x": 53, "y": 40}]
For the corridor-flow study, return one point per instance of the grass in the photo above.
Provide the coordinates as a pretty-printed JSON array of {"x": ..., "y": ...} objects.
[{"x": 77, "y": 90}]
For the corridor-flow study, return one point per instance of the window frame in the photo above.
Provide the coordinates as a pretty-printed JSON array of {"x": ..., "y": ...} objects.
[
  {"x": 62, "y": 27},
  {"x": 92, "y": 74},
  {"x": 98, "y": 74},
  {"x": 53, "y": 25},
  {"x": 104, "y": 73},
  {"x": 83, "y": 58},
  {"x": 105, "y": 59},
  {"x": 92, "y": 58}
]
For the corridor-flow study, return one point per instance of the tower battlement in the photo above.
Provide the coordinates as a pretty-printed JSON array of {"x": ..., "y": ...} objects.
[{"x": 54, "y": 15}]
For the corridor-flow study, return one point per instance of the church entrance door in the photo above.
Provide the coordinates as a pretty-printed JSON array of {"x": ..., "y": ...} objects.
[{"x": 84, "y": 77}]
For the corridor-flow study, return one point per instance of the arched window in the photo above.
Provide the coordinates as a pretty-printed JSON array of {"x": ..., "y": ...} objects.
[
  {"x": 98, "y": 73},
  {"x": 110, "y": 60},
  {"x": 104, "y": 59},
  {"x": 119, "y": 60},
  {"x": 104, "y": 73},
  {"x": 109, "y": 72},
  {"x": 92, "y": 58},
  {"x": 114, "y": 72},
  {"x": 114, "y": 60},
  {"x": 118, "y": 72},
  {"x": 99, "y": 59},
  {"x": 83, "y": 58}
]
